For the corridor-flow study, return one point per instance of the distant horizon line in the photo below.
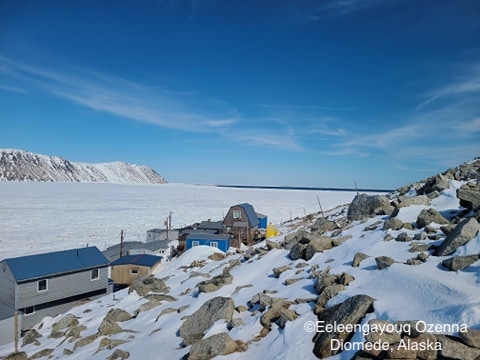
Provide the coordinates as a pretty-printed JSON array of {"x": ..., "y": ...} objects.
[{"x": 278, "y": 187}]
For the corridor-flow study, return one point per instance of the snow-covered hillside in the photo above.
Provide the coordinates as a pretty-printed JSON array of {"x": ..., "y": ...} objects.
[
  {"x": 397, "y": 269},
  {"x": 20, "y": 165}
]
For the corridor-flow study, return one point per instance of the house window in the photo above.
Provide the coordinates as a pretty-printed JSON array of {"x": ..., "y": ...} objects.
[
  {"x": 95, "y": 275},
  {"x": 42, "y": 285},
  {"x": 214, "y": 244},
  {"x": 237, "y": 214},
  {"x": 134, "y": 271},
  {"x": 195, "y": 243},
  {"x": 29, "y": 310}
]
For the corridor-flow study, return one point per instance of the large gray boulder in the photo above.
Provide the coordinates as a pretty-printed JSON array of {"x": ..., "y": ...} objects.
[
  {"x": 364, "y": 206},
  {"x": 348, "y": 313},
  {"x": 144, "y": 285},
  {"x": 323, "y": 225},
  {"x": 428, "y": 216},
  {"x": 215, "y": 345},
  {"x": 465, "y": 231},
  {"x": 460, "y": 262},
  {"x": 194, "y": 327},
  {"x": 317, "y": 245},
  {"x": 469, "y": 195},
  {"x": 414, "y": 200},
  {"x": 217, "y": 282},
  {"x": 453, "y": 349}
]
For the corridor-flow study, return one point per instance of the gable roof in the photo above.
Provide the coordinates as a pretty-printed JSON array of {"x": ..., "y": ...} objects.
[
  {"x": 251, "y": 214},
  {"x": 32, "y": 267},
  {"x": 140, "y": 260}
]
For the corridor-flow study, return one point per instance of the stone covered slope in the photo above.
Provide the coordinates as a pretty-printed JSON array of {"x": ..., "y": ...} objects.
[
  {"x": 391, "y": 264},
  {"x": 19, "y": 165}
]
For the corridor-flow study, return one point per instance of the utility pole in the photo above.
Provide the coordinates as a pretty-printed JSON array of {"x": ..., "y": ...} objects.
[
  {"x": 121, "y": 243},
  {"x": 16, "y": 331}
]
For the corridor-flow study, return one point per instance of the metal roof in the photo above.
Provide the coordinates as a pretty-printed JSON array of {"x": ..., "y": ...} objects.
[
  {"x": 56, "y": 263},
  {"x": 251, "y": 214},
  {"x": 211, "y": 225},
  {"x": 141, "y": 260},
  {"x": 204, "y": 235}
]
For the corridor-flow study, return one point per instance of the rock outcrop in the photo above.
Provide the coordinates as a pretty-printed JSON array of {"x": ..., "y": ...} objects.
[
  {"x": 194, "y": 327},
  {"x": 465, "y": 231}
]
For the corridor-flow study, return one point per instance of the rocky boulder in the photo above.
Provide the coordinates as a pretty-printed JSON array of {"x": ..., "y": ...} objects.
[
  {"x": 215, "y": 345},
  {"x": 323, "y": 225},
  {"x": 317, "y": 245},
  {"x": 384, "y": 262},
  {"x": 347, "y": 313},
  {"x": 61, "y": 327},
  {"x": 215, "y": 283},
  {"x": 465, "y": 231},
  {"x": 194, "y": 327},
  {"x": 358, "y": 258},
  {"x": 144, "y": 285},
  {"x": 453, "y": 349},
  {"x": 469, "y": 195},
  {"x": 364, "y": 206},
  {"x": 393, "y": 223},
  {"x": 428, "y": 216},
  {"x": 460, "y": 262},
  {"x": 414, "y": 200}
]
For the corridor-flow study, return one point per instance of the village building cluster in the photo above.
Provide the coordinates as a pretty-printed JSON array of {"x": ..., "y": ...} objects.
[{"x": 48, "y": 284}]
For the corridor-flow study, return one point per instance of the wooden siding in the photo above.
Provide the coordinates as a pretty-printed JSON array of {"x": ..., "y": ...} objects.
[
  {"x": 7, "y": 286},
  {"x": 59, "y": 287},
  {"x": 121, "y": 274},
  {"x": 239, "y": 228}
]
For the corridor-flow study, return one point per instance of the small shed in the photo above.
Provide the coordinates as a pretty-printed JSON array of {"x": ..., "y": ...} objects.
[
  {"x": 127, "y": 268},
  {"x": 197, "y": 238},
  {"x": 262, "y": 221}
]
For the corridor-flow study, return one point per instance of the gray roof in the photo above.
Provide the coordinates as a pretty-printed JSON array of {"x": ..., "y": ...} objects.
[
  {"x": 140, "y": 260},
  {"x": 211, "y": 225},
  {"x": 251, "y": 214},
  {"x": 56, "y": 263},
  {"x": 113, "y": 252},
  {"x": 204, "y": 235}
]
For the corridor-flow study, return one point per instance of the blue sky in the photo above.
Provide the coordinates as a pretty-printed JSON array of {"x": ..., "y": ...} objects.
[{"x": 298, "y": 93}]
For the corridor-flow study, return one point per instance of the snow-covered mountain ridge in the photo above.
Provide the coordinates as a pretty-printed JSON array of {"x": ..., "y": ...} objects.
[{"x": 20, "y": 165}]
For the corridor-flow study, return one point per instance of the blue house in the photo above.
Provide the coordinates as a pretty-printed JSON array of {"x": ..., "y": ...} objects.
[
  {"x": 51, "y": 283},
  {"x": 197, "y": 238}
]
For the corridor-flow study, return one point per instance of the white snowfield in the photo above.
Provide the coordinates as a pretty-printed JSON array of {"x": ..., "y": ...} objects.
[
  {"x": 424, "y": 292},
  {"x": 56, "y": 216}
]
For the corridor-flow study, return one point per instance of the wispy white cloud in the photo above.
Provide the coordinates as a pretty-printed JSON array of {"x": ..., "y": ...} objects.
[
  {"x": 12, "y": 88},
  {"x": 119, "y": 97},
  {"x": 157, "y": 106}
]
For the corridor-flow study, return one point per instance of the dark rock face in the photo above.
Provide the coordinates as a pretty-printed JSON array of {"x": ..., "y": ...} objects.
[{"x": 469, "y": 195}]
